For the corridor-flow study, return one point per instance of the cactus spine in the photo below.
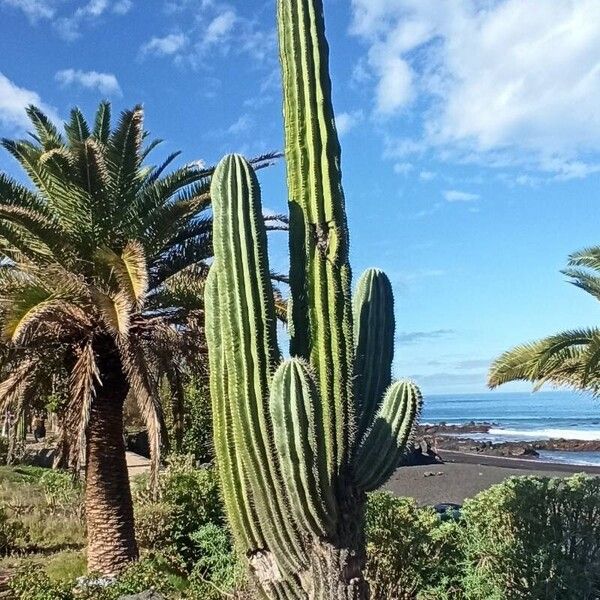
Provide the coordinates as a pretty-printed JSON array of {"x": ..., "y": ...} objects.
[{"x": 300, "y": 441}]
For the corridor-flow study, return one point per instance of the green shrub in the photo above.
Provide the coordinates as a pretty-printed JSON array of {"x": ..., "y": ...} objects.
[
  {"x": 12, "y": 533},
  {"x": 154, "y": 523},
  {"x": 32, "y": 583},
  {"x": 189, "y": 500},
  {"x": 534, "y": 537},
  {"x": 410, "y": 551},
  {"x": 528, "y": 538},
  {"x": 139, "y": 577},
  {"x": 197, "y": 437},
  {"x": 64, "y": 494},
  {"x": 218, "y": 571}
]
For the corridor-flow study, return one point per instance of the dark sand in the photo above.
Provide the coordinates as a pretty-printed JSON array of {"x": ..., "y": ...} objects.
[{"x": 464, "y": 475}]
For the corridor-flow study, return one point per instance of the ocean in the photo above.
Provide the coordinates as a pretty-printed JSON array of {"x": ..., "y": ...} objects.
[{"x": 524, "y": 417}]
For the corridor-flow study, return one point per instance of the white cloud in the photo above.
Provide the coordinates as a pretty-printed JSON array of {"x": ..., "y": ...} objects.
[
  {"x": 69, "y": 27},
  {"x": 68, "y": 24},
  {"x": 346, "y": 121},
  {"x": 94, "y": 8},
  {"x": 507, "y": 82},
  {"x": 105, "y": 83},
  {"x": 242, "y": 125},
  {"x": 14, "y": 100},
  {"x": 214, "y": 27},
  {"x": 458, "y": 196},
  {"x": 122, "y": 7},
  {"x": 219, "y": 28},
  {"x": 403, "y": 168},
  {"x": 395, "y": 86},
  {"x": 34, "y": 10},
  {"x": 165, "y": 46}
]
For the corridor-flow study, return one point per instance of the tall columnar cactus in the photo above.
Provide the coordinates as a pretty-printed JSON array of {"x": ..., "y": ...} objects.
[{"x": 300, "y": 441}]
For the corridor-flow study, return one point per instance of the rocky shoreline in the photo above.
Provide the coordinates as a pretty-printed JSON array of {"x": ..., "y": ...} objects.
[{"x": 442, "y": 436}]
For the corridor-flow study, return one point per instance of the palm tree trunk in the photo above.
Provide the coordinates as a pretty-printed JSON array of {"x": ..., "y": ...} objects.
[
  {"x": 108, "y": 503},
  {"x": 178, "y": 408}
]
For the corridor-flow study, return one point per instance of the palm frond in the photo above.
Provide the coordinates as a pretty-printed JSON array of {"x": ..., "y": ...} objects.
[
  {"x": 115, "y": 311},
  {"x": 52, "y": 177},
  {"x": 584, "y": 280},
  {"x": 11, "y": 388},
  {"x": 124, "y": 154},
  {"x": 145, "y": 393},
  {"x": 24, "y": 308},
  {"x": 83, "y": 379},
  {"x": 158, "y": 171},
  {"x": 47, "y": 133},
  {"x": 543, "y": 361},
  {"x": 77, "y": 128},
  {"x": 588, "y": 257},
  {"x": 130, "y": 270},
  {"x": 102, "y": 122}
]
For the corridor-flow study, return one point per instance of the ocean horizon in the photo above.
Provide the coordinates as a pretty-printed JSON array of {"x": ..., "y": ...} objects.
[{"x": 523, "y": 417}]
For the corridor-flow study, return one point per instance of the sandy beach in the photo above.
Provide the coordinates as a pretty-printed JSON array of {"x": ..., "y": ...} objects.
[{"x": 463, "y": 475}]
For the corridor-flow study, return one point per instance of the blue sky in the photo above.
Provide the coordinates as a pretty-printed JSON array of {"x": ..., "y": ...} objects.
[{"x": 470, "y": 133}]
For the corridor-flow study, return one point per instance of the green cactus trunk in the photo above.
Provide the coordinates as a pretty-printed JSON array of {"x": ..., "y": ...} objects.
[{"x": 300, "y": 442}]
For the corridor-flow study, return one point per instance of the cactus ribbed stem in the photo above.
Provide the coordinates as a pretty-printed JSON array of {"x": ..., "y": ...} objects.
[
  {"x": 374, "y": 337},
  {"x": 380, "y": 452},
  {"x": 321, "y": 324},
  {"x": 297, "y": 428},
  {"x": 247, "y": 321},
  {"x": 236, "y": 492}
]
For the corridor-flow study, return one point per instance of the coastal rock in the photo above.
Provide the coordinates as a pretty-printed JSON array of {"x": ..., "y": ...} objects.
[
  {"x": 443, "y": 428},
  {"x": 456, "y": 437},
  {"x": 568, "y": 445}
]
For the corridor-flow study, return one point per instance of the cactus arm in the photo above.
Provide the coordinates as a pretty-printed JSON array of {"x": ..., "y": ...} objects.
[
  {"x": 297, "y": 429},
  {"x": 374, "y": 337},
  {"x": 235, "y": 490},
  {"x": 247, "y": 318},
  {"x": 321, "y": 323},
  {"x": 380, "y": 453}
]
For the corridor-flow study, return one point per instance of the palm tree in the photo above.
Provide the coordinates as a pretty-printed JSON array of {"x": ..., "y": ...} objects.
[
  {"x": 104, "y": 260},
  {"x": 570, "y": 358}
]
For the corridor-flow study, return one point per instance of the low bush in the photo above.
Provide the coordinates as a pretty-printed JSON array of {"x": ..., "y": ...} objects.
[
  {"x": 218, "y": 572},
  {"x": 529, "y": 538},
  {"x": 196, "y": 434},
  {"x": 63, "y": 493},
  {"x": 34, "y": 583},
  {"x": 12, "y": 533},
  {"x": 154, "y": 525},
  {"x": 410, "y": 552},
  {"x": 532, "y": 538},
  {"x": 188, "y": 499},
  {"x": 197, "y": 437}
]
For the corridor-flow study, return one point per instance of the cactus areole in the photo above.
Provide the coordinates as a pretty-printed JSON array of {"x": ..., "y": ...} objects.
[{"x": 299, "y": 442}]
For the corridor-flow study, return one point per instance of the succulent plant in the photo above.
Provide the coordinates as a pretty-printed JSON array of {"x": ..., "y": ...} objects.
[{"x": 300, "y": 441}]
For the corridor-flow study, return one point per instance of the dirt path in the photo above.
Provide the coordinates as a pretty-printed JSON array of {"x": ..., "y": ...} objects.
[{"x": 137, "y": 464}]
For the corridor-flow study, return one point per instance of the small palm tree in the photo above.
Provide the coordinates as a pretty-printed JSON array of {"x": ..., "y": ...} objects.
[
  {"x": 569, "y": 358},
  {"x": 104, "y": 260}
]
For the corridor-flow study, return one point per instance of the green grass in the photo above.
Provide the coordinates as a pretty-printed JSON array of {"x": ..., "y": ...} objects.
[{"x": 48, "y": 506}]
